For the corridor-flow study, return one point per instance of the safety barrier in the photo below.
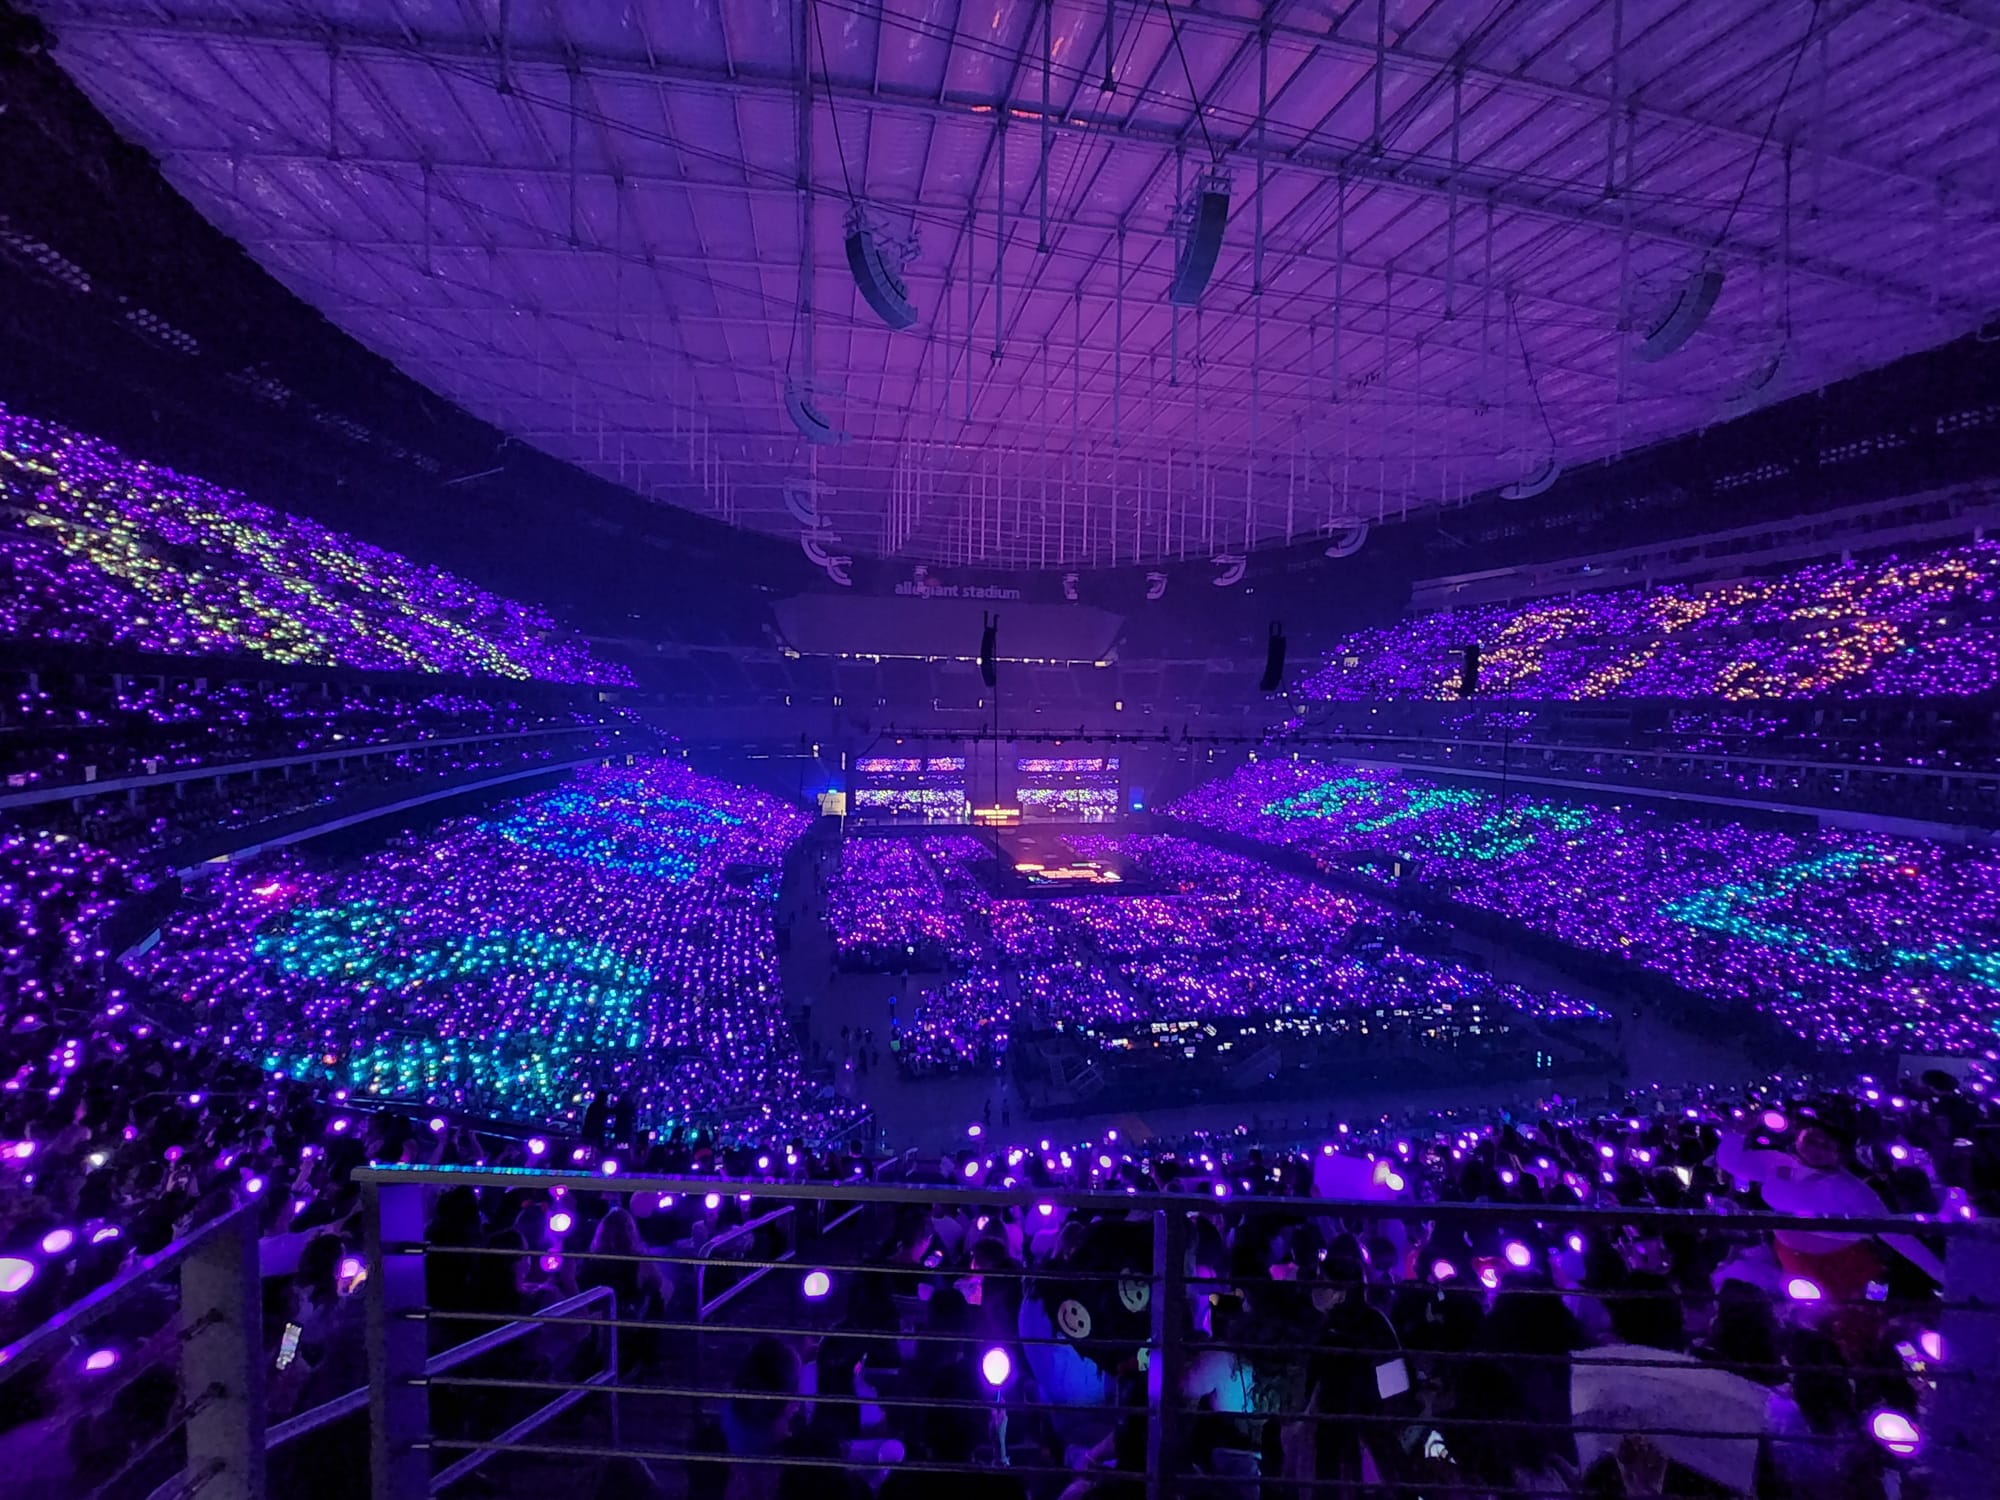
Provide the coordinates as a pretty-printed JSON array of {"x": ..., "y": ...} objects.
[{"x": 1148, "y": 1335}]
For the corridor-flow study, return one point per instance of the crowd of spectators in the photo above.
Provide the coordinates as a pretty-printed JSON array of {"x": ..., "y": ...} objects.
[
  {"x": 1219, "y": 959},
  {"x": 615, "y": 933},
  {"x": 99, "y": 548},
  {"x": 62, "y": 729},
  {"x": 1457, "y": 1325},
  {"x": 1920, "y": 627},
  {"x": 1389, "y": 1342},
  {"x": 175, "y": 821},
  {"x": 1853, "y": 940}
]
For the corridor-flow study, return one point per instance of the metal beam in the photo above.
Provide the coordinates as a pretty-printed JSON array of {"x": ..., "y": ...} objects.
[{"x": 1396, "y": 171}]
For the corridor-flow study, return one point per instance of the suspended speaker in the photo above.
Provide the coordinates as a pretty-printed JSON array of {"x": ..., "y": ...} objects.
[
  {"x": 1754, "y": 389},
  {"x": 989, "y": 649},
  {"x": 1683, "y": 316},
  {"x": 1537, "y": 483},
  {"x": 1348, "y": 539},
  {"x": 1468, "y": 672},
  {"x": 1195, "y": 261},
  {"x": 881, "y": 287},
  {"x": 1274, "y": 660},
  {"x": 812, "y": 425}
]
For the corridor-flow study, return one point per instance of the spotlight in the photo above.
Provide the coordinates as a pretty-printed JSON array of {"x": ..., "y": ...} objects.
[
  {"x": 1803, "y": 1289},
  {"x": 100, "y": 1360},
  {"x": 15, "y": 1273},
  {"x": 1518, "y": 1255},
  {"x": 560, "y": 1222},
  {"x": 816, "y": 1285}
]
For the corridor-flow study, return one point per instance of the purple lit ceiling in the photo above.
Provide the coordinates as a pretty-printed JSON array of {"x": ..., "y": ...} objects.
[{"x": 580, "y": 221}]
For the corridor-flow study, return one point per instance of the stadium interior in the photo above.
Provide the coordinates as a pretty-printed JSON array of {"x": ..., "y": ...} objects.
[{"x": 1077, "y": 748}]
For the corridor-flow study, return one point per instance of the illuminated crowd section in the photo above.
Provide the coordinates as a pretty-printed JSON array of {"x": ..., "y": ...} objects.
[
  {"x": 612, "y": 936},
  {"x": 1855, "y": 940},
  {"x": 1228, "y": 956},
  {"x": 1920, "y": 626},
  {"x": 100, "y": 548}
]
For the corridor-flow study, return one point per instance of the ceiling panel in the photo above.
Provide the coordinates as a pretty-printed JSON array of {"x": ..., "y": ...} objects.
[{"x": 1447, "y": 222}]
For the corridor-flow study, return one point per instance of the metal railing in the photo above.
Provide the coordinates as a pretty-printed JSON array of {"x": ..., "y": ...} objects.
[
  {"x": 746, "y": 1273},
  {"x": 211, "y": 1344},
  {"x": 353, "y": 1403},
  {"x": 944, "y": 1330},
  {"x": 254, "y": 766}
]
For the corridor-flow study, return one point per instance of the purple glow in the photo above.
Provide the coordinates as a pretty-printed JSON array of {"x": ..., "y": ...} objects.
[
  {"x": 266, "y": 583},
  {"x": 1894, "y": 1431},
  {"x": 997, "y": 1367}
]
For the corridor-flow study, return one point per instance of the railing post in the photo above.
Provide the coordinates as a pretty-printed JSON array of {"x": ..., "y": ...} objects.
[
  {"x": 1965, "y": 1420},
  {"x": 399, "y": 1417},
  {"x": 1168, "y": 1306},
  {"x": 222, "y": 1364}
]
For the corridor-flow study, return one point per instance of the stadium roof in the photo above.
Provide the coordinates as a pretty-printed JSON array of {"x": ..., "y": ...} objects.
[{"x": 1450, "y": 226}]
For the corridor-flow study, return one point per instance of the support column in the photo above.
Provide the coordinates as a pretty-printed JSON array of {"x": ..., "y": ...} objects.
[
  {"x": 399, "y": 1417},
  {"x": 222, "y": 1364}
]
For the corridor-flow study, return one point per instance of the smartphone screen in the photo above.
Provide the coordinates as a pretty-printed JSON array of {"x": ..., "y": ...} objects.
[
  {"x": 288, "y": 1347},
  {"x": 1392, "y": 1378}
]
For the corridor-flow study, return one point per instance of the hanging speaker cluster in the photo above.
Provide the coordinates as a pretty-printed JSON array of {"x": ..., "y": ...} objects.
[
  {"x": 808, "y": 418},
  {"x": 878, "y": 273},
  {"x": 1347, "y": 539},
  {"x": 989, "y": 650},
  {"x": 1538, "y": 483},
  {"x": 1274, "y": 660},
  {"x": 1683, "y": 315},
  {"x": 1204, "y": 216},
  {"x": 1757, "y": 387}
]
